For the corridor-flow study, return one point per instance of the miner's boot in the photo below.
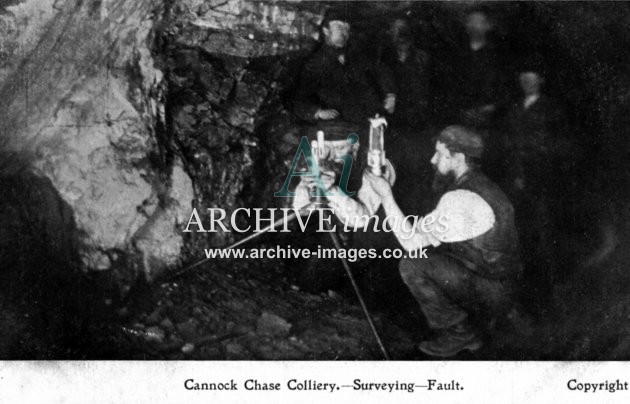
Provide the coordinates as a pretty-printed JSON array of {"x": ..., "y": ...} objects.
[{"x": 452, "y": 341}]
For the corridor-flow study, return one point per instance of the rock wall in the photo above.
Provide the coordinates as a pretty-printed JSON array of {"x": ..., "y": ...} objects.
[
  {"x": 82, "y": 103},
  {"x": 133, "y": 110},
  {"x": 229, "y": 65}
]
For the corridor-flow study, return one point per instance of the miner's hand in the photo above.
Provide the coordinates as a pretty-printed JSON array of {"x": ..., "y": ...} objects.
[
  {"x": 328, "y": 177},
  {"x": 311, "y": 182},
  {"x": 378, "y": 183}
]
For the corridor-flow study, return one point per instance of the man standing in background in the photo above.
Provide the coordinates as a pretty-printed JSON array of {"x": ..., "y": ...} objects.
[{"x": 338, "y": 87}]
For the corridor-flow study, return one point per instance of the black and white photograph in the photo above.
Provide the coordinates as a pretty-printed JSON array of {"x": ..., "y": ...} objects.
[{"x": 240, "y": 180}]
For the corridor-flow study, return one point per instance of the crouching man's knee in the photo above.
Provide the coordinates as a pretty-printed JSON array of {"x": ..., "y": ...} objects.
[{"x": 413, "y": 268}]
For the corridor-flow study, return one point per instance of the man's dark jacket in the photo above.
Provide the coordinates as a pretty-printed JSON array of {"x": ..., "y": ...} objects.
[
  {"x": 355, "y": 88},
  {"x": 533, "y": 137}
]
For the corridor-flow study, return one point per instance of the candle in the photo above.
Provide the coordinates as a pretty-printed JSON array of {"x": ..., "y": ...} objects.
[{"x": 320, "y": 143}]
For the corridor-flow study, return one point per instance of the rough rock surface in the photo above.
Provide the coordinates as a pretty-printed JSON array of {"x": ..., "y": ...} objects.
[
  {"x": 228, "y": 65},
  {"x": 92, "y": 106},
  {"x": 21, "y": 26},
  {"x": 83, "y": 104}
]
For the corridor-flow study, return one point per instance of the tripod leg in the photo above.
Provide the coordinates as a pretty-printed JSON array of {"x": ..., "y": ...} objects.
[
  {"x": 252, "y": 236},
  {"x": 346, "y": 267}
]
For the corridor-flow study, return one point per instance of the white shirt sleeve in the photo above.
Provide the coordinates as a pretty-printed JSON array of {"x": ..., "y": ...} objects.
[
  {"x": 367, "y": 203},
  {"x": 463, "y": 214}
]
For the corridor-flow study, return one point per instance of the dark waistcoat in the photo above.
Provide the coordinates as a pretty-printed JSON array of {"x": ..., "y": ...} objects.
[{"x": 494, "y": 254}]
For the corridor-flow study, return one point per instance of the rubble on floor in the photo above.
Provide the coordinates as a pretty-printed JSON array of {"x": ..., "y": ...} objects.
[{"x": 250, "y": 310}]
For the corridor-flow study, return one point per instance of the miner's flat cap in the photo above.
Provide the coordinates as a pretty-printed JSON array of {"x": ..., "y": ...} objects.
[{"x": 459, "y": 139}]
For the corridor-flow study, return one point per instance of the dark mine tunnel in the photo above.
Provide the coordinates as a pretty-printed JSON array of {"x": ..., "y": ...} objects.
[{"x": 118, "y": 120}]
